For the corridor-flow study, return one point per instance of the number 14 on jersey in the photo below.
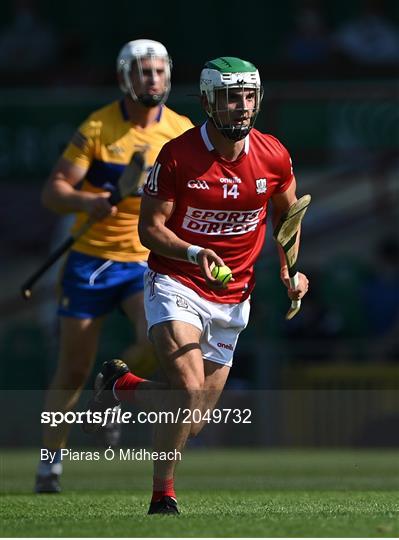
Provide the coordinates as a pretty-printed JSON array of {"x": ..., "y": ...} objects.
[{"x": 230, "y": 191}]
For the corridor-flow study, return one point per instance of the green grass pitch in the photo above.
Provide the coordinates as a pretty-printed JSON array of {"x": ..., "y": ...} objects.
[{"x": 230, "y": 493}]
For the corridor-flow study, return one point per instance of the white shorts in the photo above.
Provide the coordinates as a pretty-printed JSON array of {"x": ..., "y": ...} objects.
[{"x": 166, "y": 299}]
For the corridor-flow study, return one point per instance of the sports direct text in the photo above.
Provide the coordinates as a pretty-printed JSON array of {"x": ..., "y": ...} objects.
[
  {"x": 116, "y": 416},
  {"x": 225, "y": 222}
]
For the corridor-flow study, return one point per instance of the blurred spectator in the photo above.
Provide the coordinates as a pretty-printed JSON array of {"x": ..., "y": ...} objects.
[
  {"x": 28, "y": 44},
  {"x": 332, "y": 325},
  {"x": 309, "y": 43},
  {"x": 370, "y": 39},
  {"x": 343, "y": 279},
  {"x": 73, "y": 69},
  {"x": 314, "y": 332},
  {"x": 381, "y": 301}
]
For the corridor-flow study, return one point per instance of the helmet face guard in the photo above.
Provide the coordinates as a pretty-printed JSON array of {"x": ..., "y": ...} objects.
[
  {"x": 140, "y": 59},
  {"x": 225, "y": 118},
  {"x": 233, "y": 95}
]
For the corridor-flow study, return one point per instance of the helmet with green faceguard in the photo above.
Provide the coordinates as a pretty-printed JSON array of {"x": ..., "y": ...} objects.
[{"x": 233, "y": 95}]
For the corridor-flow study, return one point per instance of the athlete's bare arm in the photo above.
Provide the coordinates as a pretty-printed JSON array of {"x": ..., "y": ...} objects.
[
  {"x": 281, "y": 203},
  {"x": 156, "y": 236},
  {"x": 60, "y": 195}
]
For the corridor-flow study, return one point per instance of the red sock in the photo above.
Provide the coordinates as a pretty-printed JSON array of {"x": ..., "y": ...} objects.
[
  {"x": 162, "y": 488},
  {"x": 126, "y": 385}
]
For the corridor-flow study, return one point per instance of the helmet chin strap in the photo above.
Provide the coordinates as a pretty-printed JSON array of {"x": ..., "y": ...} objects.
[
  {"x": 232, "y": 133},
  {"x": 149, "y": 100}
]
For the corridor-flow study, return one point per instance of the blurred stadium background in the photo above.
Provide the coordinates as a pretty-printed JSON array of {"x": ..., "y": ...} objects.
[{"x": 330, "y": 71}]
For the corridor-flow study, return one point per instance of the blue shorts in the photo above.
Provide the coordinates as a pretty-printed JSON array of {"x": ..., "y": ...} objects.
[{"x": 91, "y": 287}]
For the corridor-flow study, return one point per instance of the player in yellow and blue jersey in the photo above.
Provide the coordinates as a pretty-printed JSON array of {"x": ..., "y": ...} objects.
[{"x": 105, "y": 267}]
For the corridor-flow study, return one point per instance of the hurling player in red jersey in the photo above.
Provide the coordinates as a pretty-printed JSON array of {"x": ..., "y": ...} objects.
[{"x": 205, "y": 203}]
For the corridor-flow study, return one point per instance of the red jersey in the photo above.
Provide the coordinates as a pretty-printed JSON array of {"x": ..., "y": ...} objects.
[{"x": 219, "y": 204}]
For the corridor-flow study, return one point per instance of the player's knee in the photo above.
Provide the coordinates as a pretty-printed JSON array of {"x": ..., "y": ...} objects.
[
  {"x": 195, "y": 429},
  {"x": 190, "y": 384},
  {"x": 142, "y": 341},
  {"x": 74, "y": 376},
  {"x": 191, "y": 392},
  {"x": 145, "y": 348}
]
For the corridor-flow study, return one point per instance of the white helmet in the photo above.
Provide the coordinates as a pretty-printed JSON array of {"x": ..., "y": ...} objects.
[
  {"x": 226, "y": 73},
  {"x": 132, "y": 52}
]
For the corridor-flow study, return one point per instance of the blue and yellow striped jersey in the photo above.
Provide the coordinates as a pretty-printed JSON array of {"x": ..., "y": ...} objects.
[{"x": 105, "y": 143}]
